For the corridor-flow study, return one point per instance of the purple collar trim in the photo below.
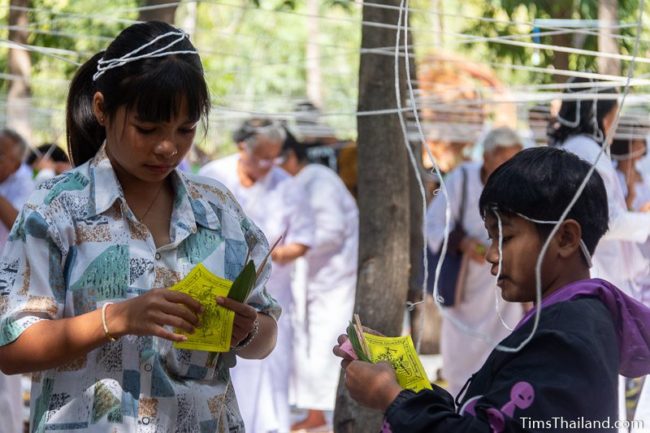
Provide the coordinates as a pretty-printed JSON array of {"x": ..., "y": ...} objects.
[{"x": 631, "y": 318}]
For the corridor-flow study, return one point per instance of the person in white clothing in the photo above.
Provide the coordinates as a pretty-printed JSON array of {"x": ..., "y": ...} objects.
[
  {"x": 325, "y": 284},
  {"x": 464, "y": 353},
  {"x": 15, "y": 187},
  {"x": 635, "y": 183},
  {"x": 271, "y": 199},
  {"x": 581, "y": 127}
]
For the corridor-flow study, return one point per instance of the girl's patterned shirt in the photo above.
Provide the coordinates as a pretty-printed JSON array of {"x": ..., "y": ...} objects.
[{"x": 75, "y": 246}]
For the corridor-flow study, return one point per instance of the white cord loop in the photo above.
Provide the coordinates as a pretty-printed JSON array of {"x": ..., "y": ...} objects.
[
  {"x": 583, "y": 246},
  {"x": 104, "y": 65}
]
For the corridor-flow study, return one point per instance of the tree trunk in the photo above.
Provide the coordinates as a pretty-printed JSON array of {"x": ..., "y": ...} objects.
[
  {"x": 20, "y": 65},
  {"x": 165, "y": 14},
  {"x": 314, "y": 86},
  {"x": 562, "y": 10},
  {"x": 608, "y": 17},
  {"x": 383, "y": 207}
]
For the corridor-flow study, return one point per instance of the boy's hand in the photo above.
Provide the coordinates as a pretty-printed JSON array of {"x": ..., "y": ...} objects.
[
  {"x": 344, "y": 350},
  {"x": 245, "y": 317},
  {"x": 372, "y": 385}
]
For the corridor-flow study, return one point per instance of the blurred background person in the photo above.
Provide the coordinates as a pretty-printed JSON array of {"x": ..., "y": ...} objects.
[
  {"x": 324, "y": 285},
  {"x": 463, "y": 353},
  {"x": 635, "y": 183},
  {"x": 47, "y": 161},
  {"x": 15, "y": 187},
  {"x": 581, "y": 128},
  {"x": 271, "y": 199}
]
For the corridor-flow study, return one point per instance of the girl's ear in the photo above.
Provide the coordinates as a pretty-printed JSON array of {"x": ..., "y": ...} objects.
[
  {"x": 98, "y": 108},
  {"x": 568, "y": 238}
]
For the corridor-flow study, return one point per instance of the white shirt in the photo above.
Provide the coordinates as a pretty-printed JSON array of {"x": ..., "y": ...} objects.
[
  {"x": 333, "y": 258},
  {"x": 16, "y": 189},
  {"x": 277, "y": 206},
  {"x": 642, "y": 190},
  {"x": 618, "y": 257}
]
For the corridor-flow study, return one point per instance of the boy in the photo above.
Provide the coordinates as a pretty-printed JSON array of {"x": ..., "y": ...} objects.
[{"x": 565, "y": 377}]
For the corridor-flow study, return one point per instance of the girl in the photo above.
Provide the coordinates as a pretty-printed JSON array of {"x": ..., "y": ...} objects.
[{"x": 84, "y": 304}]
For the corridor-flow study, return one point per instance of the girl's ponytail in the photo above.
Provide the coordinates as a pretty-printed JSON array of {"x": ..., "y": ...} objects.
[{"x": 83, "y": 132}]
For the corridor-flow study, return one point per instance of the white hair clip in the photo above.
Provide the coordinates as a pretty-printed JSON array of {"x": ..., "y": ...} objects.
[{"x": 104, "y": 65}]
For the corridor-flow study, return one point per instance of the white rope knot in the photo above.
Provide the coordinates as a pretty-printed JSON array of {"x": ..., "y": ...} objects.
[{"x": 104, "y": 65}]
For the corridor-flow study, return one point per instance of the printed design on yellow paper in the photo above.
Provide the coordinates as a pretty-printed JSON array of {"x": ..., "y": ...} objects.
[
  {"x": 401, "y": 354},
  {"x": 216, "y": 321}
]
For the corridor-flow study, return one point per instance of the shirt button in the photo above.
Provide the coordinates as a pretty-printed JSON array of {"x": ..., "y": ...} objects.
[{"x": 157, "y": 256}]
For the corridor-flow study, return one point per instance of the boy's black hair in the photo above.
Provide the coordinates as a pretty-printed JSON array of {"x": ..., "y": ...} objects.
[
  {"x": 589, "y": 112},
  {"x": 154, "y": 87},
  {"x": 539, "y": 183}
]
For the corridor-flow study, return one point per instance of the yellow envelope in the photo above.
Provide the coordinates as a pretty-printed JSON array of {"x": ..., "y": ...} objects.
[
  {"x": 401, "y": 354},
  {"x": 216, "y": 322}
]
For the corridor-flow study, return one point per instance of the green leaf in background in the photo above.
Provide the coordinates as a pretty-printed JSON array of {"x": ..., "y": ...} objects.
[{"x": 244, "y": 283}]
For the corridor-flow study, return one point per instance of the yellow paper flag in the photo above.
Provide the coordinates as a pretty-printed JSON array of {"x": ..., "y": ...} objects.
[
  {"x": 401, "y": 354},
  {"x": 216, "y": 322}
]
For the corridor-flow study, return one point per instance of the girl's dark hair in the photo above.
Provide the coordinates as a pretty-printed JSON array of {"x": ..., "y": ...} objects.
[
  {"x": 589, "y": 112},
  {"x": 154, "y": 87},
  {"x": 539, "y": 183}
]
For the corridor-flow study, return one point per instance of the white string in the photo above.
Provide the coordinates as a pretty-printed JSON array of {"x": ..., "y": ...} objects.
[
  {"x": 50, "y": 52},
  {"x": 583, "y": 246},
  {"x": 497, "y": 295},
  {"x": 583, "y": 185},
  {"x": 404, "y": 23},
  {"x": 458, "y": 323},
  {"x": 443, "y": 188},
  {"x": 460, "y": 38},
  {"x": 104, "y": 65},
  {"x": 280, "y": 11}
]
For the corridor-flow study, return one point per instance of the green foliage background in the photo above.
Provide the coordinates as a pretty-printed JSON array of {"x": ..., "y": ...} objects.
[{"x": 254, "y": 50}]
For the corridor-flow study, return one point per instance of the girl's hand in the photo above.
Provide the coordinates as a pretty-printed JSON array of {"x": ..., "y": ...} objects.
[
  {"x": 149, "y": 313},
  {"x": 245, "y": 317},
  {"x": 372, "y": 385}
]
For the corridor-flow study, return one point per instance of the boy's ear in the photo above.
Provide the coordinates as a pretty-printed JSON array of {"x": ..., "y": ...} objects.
[{"x": 568, "y": 238}]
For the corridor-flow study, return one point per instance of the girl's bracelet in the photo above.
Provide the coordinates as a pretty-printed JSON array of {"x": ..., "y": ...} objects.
[
  {"x": 250, "y": 337},
  {"x": 105, "y": 325}
]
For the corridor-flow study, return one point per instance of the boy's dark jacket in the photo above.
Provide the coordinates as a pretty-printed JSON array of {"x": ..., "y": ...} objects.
[{"x": 564, "y": 379}]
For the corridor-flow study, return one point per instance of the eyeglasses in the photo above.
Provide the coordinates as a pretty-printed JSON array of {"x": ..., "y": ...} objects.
[{"x": 264, "y": 162}]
